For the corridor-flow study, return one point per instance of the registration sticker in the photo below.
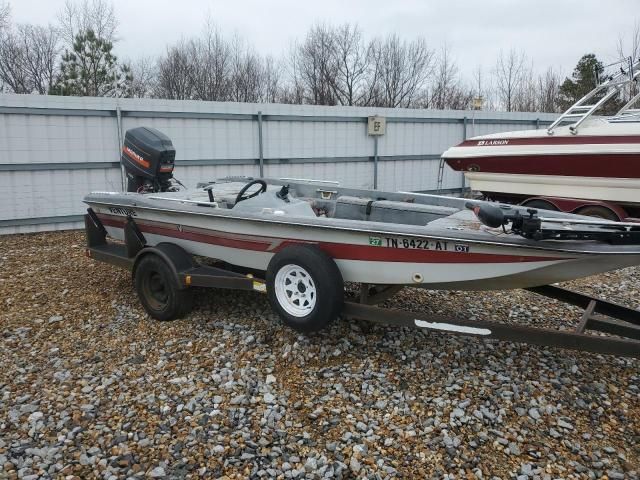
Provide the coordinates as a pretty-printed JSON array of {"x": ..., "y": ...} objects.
[{"x": 375, "y": 241}]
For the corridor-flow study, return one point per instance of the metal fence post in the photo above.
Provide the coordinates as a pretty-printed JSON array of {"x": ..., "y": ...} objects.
[
  {"x": 464, "y": 137},
  {"x": 123, "y": 175},
  {"x": 260, "y": 147},
  {"x": 375, "y": 162}
]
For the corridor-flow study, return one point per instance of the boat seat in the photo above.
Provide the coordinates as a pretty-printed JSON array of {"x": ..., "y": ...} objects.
[
  {"x": 356, "y": 208},
  {"x": 351, "y": 208}
]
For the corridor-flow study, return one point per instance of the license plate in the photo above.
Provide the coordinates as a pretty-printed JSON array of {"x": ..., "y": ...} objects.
[{"x": 418, "y": 244}]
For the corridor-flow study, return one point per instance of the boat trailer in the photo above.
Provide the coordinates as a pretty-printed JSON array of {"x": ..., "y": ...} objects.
[{"x": 620, "y": 322}]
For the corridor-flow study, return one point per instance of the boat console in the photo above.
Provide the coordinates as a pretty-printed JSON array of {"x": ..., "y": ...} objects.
[{"x": 276, "y": 202}]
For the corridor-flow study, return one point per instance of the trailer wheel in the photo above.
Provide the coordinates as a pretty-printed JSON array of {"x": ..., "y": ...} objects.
[
  {"x": 540, "y": 204},
  {"x": 159, "y": 293},
  {"x": 598, "y": 212},
  {"x": 305, "y": 288}
]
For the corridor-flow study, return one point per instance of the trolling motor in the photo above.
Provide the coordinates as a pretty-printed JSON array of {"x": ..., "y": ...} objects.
[
  {"x": 616, "y": 233},
  {"x": 148, "y": 158},
  {"x": 494, "y": 217}
]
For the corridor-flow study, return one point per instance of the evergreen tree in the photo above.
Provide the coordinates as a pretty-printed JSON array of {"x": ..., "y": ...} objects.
[
  {"x": 91, "y": 69},
  {"x": 585, "y": 77}
]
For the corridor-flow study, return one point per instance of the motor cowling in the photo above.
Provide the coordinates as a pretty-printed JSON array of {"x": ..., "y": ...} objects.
[{"x": 148, "y": 158}]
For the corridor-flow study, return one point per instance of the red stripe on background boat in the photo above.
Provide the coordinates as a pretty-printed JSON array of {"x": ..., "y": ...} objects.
[
  {"x": 490, "y": 141},
  {"x": 608, "y": 165}
]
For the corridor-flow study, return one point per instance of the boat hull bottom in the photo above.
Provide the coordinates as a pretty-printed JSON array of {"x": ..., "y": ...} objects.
[{"x": 618, "y": 190}]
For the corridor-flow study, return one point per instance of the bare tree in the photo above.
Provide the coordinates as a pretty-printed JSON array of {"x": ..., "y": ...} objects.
[
  {"x": 245, "y": 76},
  {"x": 5, "y": 13},
  {"x": 210, "y": 59},
  {"x": 293, "y": 92},
  {"x": 445, "y": 78},
  {"x": 13, "y": 65},
  {"x": 41, "y": 49},
  {"x": 448, "y": 93},
  {"x": 403, "y": 69},
  {"x": 271, "y": 78},
  {"x": 508, "y": 74},
  {"x": 630, "y": 48},
  {"x": 314, "y": 65},
  {"x": 547, "y": 91},
  {"x": 212, "y": 68},
  {"x": 526, "y": 93},
  {"x": 347, "y": 75},
  {"x": 144, "y": 72},
  {"x": 28, "y": 55},
  {"x": 5, "y": 17},
  {"x": 84, "y": 15},
  {"x": 175, "y": 74},
  {"x": 251, "y": 77}
]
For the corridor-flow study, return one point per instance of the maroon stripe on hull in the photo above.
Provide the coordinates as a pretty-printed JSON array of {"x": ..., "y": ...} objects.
[
  {"x": 169, "y": 230},
  {"x": 345, "y": 251},
  {"x": 340, "y": 251},
  {"x": 551, "y": 140},
  {"x": 578, "y": 165}
]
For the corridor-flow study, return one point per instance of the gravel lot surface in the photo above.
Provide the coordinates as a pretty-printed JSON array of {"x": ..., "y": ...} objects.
[{"x": 90, "y": 386}]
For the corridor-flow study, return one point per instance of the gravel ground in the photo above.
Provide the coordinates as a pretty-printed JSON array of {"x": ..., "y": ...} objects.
[{"x": 90, "y": 386}]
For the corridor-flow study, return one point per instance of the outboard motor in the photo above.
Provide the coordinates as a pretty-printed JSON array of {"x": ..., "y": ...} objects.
[{"x": 148, "y": 157}]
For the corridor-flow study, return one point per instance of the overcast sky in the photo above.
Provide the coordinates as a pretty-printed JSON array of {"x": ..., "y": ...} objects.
[{"x": 551, "y": 32}]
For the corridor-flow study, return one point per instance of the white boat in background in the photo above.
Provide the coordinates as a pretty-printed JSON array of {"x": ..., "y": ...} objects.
[{"x": 596, "y": 159}]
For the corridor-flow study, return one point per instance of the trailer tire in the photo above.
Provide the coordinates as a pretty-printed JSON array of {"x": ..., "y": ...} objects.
[
  {"x": 540, "y": 204},
  {"x": 598, "y": 211},
  {"x": 158, "y": 291},
  {"x": 305, "y": 287}
]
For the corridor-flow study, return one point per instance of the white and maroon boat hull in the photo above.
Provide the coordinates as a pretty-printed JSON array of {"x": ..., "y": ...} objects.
[
  {"x": 600, "y": 162},
  {"x": 376, "y": 257}
]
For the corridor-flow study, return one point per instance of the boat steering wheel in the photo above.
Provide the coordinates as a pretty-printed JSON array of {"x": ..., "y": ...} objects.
[{"x": 241, "y": 194}]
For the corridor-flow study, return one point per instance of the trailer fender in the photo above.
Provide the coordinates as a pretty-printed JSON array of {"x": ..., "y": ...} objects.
[{"x": 174, "y": 256}]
